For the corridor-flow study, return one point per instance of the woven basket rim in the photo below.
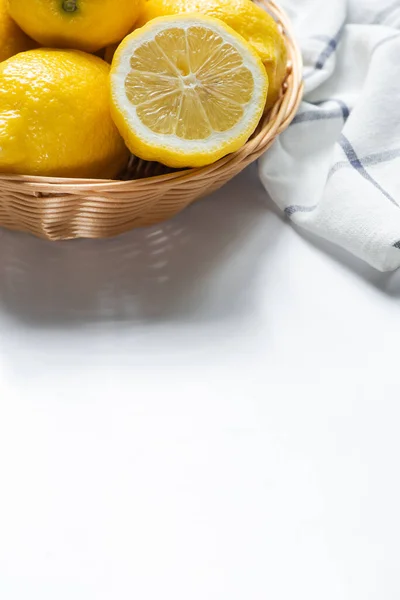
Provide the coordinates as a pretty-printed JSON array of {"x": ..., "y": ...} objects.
[{"x": 272, "y": 123}]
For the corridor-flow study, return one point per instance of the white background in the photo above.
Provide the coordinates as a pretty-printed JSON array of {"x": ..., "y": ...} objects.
[{"x": 204, "y": 410}]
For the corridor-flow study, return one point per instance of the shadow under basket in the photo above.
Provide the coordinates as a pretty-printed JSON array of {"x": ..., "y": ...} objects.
[{"x": 62, "y": 209}]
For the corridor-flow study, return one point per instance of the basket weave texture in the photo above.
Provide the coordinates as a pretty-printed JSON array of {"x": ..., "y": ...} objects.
[{"x": 61, "y": 209}]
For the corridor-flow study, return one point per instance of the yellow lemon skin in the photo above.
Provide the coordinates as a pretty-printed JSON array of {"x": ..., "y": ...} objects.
[
  {"x": 246, "y": 18},
  {"x": 12, "y": 38},
  {"x": 55, "y": 116},
  {"x": 87, "y": 25}
]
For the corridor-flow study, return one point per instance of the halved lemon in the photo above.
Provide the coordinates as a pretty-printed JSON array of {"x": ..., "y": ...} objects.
[{"x": 186, "y": 90}]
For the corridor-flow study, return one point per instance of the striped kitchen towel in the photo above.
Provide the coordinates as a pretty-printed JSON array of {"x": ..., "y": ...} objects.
[{"x": 336, "y": 170}]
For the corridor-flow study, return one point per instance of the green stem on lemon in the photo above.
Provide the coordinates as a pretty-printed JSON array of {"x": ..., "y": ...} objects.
[{"x": 70, "y": 5}]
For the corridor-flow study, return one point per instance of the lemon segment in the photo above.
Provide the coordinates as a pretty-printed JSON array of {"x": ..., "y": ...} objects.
[{"x": 186, "y": 90}]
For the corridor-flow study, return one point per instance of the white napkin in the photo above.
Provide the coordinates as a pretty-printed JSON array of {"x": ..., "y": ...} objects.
[{"x": 336, "y": 170}]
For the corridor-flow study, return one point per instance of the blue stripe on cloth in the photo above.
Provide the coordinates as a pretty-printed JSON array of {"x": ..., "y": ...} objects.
[
  {"x": 330, "y": 49},
  {"x": 319, "y": 115},
  {"x": 357, "y": 164},
  {"x": 290, "y": 210},
  {"x": 343, "y": 106},
  {"x": 327, "y": 52},
  {"x": 370, "y": 160}
]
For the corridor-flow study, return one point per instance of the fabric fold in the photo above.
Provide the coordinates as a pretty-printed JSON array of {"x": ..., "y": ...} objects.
[{"x": 336, "y": 170}]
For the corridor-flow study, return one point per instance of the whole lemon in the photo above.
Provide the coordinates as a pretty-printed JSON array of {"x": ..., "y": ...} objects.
[
  {"x": 55, "y": 116},
  {"x": 82, "y": 24},
  {"x": 246, "y": 18},
  {"x": 12, "y": 38}
]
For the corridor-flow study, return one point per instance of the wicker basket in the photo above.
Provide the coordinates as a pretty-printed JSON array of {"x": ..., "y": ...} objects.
[{"x": 61, "y": 209}]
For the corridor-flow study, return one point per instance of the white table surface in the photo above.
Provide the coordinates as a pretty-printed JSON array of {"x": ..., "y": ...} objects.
[{"x": 206, "y": 410}]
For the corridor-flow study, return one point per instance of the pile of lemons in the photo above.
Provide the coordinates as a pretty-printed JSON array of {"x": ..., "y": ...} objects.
[{"x": 188, "y": 82}]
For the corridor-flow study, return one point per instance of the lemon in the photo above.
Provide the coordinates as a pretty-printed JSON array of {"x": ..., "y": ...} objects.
[
  {"x": 12, "y": 38},
  {"x": 186, "y": 90},
  {"x": 82, "y": 24},
  {"x": 246, "y": 18},
  {"x": 55, "y": 116}
]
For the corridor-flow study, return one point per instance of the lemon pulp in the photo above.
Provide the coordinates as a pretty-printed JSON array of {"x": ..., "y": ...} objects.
[{"x": 188, "y": 83}]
